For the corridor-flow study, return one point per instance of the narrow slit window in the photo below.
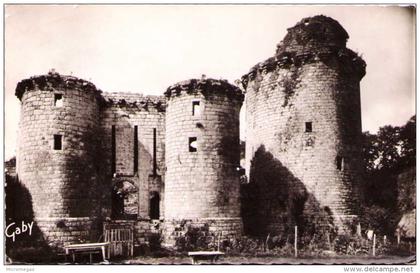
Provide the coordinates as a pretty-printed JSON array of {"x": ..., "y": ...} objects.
[
  {"x": 113, "y": 153},
  {"x": 58, "y": 145},
  {"x": 192, "y": 144},
  {"x": 58, "y": 100},
  {"x": 340, "y": 163},
  {"x": 136, "y": 149},
  {"x": 154, "y": 153},
  {"x": 308, "y": 127},
  {"x": 195, "y": 108}
]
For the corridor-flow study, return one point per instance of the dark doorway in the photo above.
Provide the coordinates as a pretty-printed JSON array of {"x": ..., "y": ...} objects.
[
  {"x": 154, "y": 206},
  {"x": 117, "y": 203},
  {"x": 124, "y": 200}
]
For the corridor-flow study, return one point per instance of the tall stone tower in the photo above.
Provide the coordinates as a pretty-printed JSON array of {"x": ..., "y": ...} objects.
[
  {"x": 202, "y": 156},
  {"x": 303, "y": 125},
  {"x": 57, "y": 154}
]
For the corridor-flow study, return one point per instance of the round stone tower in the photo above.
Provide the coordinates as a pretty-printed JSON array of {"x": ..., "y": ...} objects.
[
  {"x": 57, "y": 155},
  {"x": 303, "y": 126},
  {"x": 202, "y": 157}
]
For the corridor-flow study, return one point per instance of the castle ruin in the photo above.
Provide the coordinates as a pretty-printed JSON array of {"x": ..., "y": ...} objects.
[{"x": 164, "y": 163}]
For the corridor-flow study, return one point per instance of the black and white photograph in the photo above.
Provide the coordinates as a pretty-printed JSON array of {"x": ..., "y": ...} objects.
[{"x": 209, "y": 134}]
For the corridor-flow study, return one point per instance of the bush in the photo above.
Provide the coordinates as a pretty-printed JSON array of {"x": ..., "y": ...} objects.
[
  {"x": 196, "y": 238},
  {"x": 381, "y": 220},
  {"x": 317, "y": 228},
  {"x": 247, "y": 246},
  {"x": 242, "y": 245},
  {"x": 354, "y": 245},
  {"x": 403, "y": 249},
  {"x": 155, "y": 240},
  {"x": 350, "y": 245}
]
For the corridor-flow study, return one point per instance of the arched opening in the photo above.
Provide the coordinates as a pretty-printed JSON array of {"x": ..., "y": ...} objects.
[
  {"x": 124, "y": 200},
  {"x": 154, "y": 211}
]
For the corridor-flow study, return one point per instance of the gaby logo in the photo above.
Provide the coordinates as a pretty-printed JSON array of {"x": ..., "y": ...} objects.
[{"x": 12, "y": 229}]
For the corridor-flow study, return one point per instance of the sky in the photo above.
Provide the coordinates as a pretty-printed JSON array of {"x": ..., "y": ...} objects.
[{"x": 145, "y": 49}]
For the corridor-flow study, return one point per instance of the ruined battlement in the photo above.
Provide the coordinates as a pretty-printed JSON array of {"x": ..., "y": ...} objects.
[
  {"x": 313, "y": 39},
  {"x": 89, "y": 155},
  {"x": 304, "y": 118},
  {"x": 135, "y": 100},
  {"x": 52, "y": 81},
  {"x": 313, "y": 34},
  {"x": 204, "y": 86},
  {"x": 202, "y": 153}
]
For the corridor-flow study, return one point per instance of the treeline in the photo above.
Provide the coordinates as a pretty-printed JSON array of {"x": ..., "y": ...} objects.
[{"x": 386, "y": 154}]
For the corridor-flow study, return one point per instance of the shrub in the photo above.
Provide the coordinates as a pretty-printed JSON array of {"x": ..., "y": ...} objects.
[
  {"x": 155, "y": 240},
  {"x": 381, "y": 220},
  {"x": 196, "y": 238},
  {"x": 242, "y": 245}
]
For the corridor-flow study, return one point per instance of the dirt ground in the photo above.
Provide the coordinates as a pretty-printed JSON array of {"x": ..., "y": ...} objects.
[{"x": 274, "y": 260}]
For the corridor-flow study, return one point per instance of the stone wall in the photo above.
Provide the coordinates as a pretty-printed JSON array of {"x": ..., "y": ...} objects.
[
  {"x": 62, "y": 181},
  {"x": 219, "y": 229},
  {"x": 203, "y": 183},
  {"x": 125, "y": 111},
  {"x": 63, "y": 230},
  {"x": 303, "y": 146},
  {"x": 406, "y": 184},
  {"x": 303, "y": 118},
  {"x": 74, "y": 182}
]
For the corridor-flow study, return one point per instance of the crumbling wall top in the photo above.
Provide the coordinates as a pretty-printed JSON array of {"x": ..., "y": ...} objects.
[
  {"x": 206, "y": 87},
  {"x": 134, "y": 100},
  {"x": 54, "y": 80},
  {"x": 313, "y": 39},
  {"x": 314, "y": 33}
]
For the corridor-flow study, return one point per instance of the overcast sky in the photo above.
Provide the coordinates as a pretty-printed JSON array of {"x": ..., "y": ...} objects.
[{"x": 147, "y": 48}]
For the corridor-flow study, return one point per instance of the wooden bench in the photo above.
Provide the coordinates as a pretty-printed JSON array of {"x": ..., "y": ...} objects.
[
  {"x": 204, "y": 255},
  {"x": 89, "y": 248}
]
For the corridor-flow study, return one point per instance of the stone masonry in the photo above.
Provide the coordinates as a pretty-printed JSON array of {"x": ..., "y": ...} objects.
[
  {"x": 62, "y": 182},
  {"x": 202, "y": 181},
  {"x": 125, "y": 111},
  {"x": 164, "y": 163},
  {"x": 303, "y": 108}
]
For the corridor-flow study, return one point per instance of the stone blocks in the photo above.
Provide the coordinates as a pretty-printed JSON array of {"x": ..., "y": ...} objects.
[{"x": 203, "y": 182}]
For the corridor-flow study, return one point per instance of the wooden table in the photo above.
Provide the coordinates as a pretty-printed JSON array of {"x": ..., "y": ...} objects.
[
  {"x": 204, "y": 255},
  {"x": 89, "y": 248}
]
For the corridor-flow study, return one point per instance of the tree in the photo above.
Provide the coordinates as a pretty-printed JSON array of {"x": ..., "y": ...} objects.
[
  {"x": 385, "y": 155},
  {"x": 392, "y": 148},
  {"x": 408, "y": 143},
  {"x": 370, "y": 151}
]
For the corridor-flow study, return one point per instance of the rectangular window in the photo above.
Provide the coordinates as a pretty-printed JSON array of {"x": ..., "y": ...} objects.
[
  {"x": 113, "y": 153},
  {"x": 136, "y": 149},
  {"x": 196, "y": 108},
  {"x": 58, "y": 145},
  {"x": 192, "y": 144},
  {"x": 58, "y": 100},
  {"x": 154, "y": 153},
  {"x": 340, "y": 163},
  {"x": 308, "y": 127}
]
